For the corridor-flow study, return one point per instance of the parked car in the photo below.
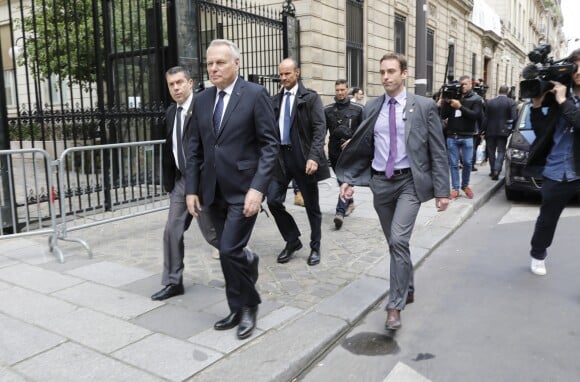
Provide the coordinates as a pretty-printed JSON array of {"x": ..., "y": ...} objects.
[{"x": 518, "y": 182}]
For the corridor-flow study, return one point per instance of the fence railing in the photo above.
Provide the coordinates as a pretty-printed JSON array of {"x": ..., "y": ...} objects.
[{"x": 42, "y": 196}]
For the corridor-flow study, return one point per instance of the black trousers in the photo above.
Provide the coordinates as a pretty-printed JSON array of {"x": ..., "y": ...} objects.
[
  {"x": 233, "y": 232},
  {"x": 555, "y": 196},
  {"x": 308, "y": 185}
]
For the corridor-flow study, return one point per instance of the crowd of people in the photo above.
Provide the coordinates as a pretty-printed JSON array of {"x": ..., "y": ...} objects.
[{"x": 220, "y": 166}]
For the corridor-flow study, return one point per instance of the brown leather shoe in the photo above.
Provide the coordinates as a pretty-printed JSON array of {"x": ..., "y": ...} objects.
[
  {"x": 393, "y": 319},
  {"x": 410, "y": 297}
]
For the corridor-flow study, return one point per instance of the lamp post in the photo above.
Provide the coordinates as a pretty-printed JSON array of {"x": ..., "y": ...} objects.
[{"x": 421, "y": 48}]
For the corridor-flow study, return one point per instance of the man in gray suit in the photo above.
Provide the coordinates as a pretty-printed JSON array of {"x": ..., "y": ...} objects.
[
  {"x": 398, "y": 150},
  {"x": 180, "y": 86}
]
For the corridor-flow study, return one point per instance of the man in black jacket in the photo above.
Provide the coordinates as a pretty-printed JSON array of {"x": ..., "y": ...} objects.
[
  {"x": 302, "y": 127},
  {"x": 499, "y": 113},
  {"x": 462, "y": 116},
  {"x": 557, "y": 149},
  {"x": 342, "y": 119}
]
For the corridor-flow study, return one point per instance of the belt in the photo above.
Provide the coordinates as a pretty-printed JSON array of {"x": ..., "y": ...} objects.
[
  {"x": 286, "y": 147},
  {"x": 400, "y": 171}
]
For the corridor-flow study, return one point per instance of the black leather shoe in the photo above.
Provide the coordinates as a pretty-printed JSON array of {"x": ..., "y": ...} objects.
[
  {"x": 247, "y": 321},
  {"x": 288, "y": 251},
  {"x": 495, "y": 176},
  {"x": 167, "y": 292},
  {"x": 410, "y": 297},
  {"x": 229, "y": 322},
  {"x": 314, "y": 258}
]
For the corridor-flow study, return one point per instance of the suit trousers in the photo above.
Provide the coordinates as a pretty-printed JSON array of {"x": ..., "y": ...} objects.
[
  {"x": 397, "y": 205},
  {"x": 233, "y": 232},
  {"x": 493, "y": 144},
  {"x": 178, "y": 221},
  {"x": 555, "y": 196},
  {"x": 308, "y": 186}
]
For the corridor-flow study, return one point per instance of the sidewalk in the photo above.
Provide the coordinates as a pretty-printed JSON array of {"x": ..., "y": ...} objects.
[{"x": 92, "y": 320}]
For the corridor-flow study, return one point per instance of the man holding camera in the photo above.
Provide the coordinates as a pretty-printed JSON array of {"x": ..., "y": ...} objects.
[
  {"x": 462, "y": 115},
  {"x": 557, "y": 150}
]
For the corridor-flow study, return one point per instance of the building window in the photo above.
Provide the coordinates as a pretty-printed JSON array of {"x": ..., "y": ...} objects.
[
  {"x": 10, "y": 88},
  {"x": 451, "y": 63},
  {"x": 354, "y": 42},
  {"x": 473, "y": 65},
  {"x": 400, "y": 33},
  {"x": 430, "y": 58}
]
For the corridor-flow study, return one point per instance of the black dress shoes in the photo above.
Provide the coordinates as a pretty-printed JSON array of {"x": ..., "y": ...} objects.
[
  {"x": 167, "y": 292},
  {"x": 495, "y": 176},
  {"x": 229, "y": 322},
  {"x": 288, "y": 251},
  {"x": 247, "y": 321},
  {"x": 314, "y": 258},
  {"x": 410, "y": 297}
]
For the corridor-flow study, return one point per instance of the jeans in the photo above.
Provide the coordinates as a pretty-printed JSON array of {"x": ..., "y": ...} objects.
[
  {"x": 455, "y": 146},
  {"x": 555, "y": 196}
]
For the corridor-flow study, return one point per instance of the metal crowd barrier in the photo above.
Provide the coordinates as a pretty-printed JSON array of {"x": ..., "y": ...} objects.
[
  {"x": 27, "y": 196},
  {"x": 86, "y": 186}
]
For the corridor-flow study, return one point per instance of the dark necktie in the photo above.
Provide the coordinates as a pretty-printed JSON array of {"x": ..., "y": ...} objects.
[
  {"x": 178, "y": 133},
  {"x": 287, "y": 120},
  {"x": 393, "y": 138},
  {"x": 217, "y": 114}
]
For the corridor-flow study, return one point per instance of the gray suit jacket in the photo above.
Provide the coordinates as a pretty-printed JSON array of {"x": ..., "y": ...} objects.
[{"x": 425, "y": 146}]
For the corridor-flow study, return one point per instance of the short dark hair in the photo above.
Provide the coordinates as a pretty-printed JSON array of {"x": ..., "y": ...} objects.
[
  {"x": 355, "y": 90},
  {"x": 465, "y": 77},
  {"x": 178, "y": 69},
  {"x": 341, "y": 81},
  {"x": 574, "y": 56},
  {"x": 396, "y": 56}
]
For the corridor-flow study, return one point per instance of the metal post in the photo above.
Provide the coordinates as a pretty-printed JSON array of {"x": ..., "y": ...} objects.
[{"x": 421, "y": 48}]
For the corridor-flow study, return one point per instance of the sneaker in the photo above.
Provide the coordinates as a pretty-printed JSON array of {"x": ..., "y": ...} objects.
[
  {"x": 338, "y": 219},
  {"x": 298, "y": 200},
  {"x": 538, "y": 267},
  {"x": 468, "y": 192},
  {"x": 349, "y": 209},
  {"x": 454, "y": 194}
]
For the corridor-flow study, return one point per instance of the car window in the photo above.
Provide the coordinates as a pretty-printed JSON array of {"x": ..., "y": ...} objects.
[{"x": 524, "y": 117}]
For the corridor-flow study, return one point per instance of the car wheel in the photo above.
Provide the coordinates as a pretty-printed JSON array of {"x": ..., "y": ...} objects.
[{"x": 512, "y": 195}]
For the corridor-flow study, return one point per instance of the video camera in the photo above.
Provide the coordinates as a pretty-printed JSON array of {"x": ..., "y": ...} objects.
[
  {"x": 480, "y": 88},
  {"x": 542, "y": 70},
  {"x": 451, "y": 90}
]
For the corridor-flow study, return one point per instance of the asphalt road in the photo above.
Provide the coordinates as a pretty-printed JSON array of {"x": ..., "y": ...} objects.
[{"x": 479, "y": 313}]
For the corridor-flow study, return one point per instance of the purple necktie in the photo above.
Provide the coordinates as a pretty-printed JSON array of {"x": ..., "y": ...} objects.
[{"x": 393, "y": 138}]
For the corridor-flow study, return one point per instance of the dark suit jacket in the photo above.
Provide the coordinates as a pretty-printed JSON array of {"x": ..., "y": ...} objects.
[
  {"x": 168, "y": 159},
  {"x": 497, "y": 112},
  {"x": 425, "y": 146},
  {"x": 308, "y": 119},
  {"x": 244, "y": 153}
]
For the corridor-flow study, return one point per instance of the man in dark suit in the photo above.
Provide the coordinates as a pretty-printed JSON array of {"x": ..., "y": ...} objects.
[
  {"x": 302, "y": 126},
  {"x": 498, "y": 112},
  {"x": 398, "y": 150},
  {"x": 180, "y": 87},
  {"x": 231, "y": 155}
]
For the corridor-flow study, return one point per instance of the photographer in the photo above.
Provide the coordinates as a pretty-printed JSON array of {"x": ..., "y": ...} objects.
[
  {"x": 342, "y": 118},
  {"x": 462, "y": 112},
  {"x": 557, "y": 150}
]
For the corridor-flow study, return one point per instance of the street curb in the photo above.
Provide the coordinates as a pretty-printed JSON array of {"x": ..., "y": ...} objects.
[{"x": 336, "y": 308}]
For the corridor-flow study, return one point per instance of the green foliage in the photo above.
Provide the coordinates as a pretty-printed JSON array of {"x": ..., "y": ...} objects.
[{"x": 59, "y": 37}]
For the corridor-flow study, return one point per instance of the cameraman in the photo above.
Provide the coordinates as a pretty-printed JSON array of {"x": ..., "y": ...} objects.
[
  {"x": 462, "y": 116},
  {"x": 557, "y": 150}
]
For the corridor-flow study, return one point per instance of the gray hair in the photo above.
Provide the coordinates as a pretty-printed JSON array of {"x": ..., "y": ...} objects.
[{"x": 230, "y": 44}]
